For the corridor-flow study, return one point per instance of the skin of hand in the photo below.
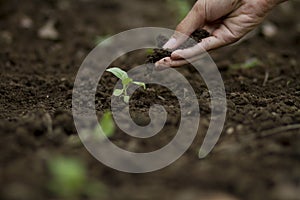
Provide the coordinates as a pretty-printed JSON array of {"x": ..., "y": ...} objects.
[{"x": 227, "y": 21}]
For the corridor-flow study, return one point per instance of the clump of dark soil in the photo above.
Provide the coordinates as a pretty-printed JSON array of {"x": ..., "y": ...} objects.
[{"x": 160, "y": 53}]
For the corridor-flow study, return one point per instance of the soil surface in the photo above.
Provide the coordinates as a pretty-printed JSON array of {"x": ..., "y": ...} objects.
[{"x": 257, "y": 156}]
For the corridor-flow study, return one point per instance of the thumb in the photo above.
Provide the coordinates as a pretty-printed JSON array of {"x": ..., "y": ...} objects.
[{"x": 195, "y": 19}]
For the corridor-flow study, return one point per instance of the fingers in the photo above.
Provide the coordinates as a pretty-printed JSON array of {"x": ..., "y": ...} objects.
[
  {"x": 163, "y": 64},
  {"x": 168, "y": 62},
  {"x": 194, "y": 20},
  {"x": 206, "y": 44},
  {"x": 212, "y": 26},
  {"x": 179, "y": 57}
]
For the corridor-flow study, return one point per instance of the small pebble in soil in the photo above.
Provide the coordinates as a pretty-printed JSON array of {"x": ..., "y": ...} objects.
[
  {"x": 239, "y": 127},
  {"x": 269, "y": 30},
  {"x": 230, "y": 130},
  {"x": 48, "y": 31},
  {"x": 26, "y": 22}
]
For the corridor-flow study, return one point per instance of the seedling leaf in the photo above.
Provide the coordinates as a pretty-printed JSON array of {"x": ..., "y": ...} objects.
[
  {"x": 140, "y": 84},
  {"x": 126, "y": 81},
  {"x": 126, "y": 99},
  {"x": 117, "y": 92},
  {"x": 121, "y": 74}
]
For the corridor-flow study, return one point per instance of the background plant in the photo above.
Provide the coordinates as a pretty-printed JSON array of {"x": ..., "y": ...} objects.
[
  {"x": 107, "y": 124},
  {"x": 181, "y": 7},
  {"x": 69, "y": 179}
]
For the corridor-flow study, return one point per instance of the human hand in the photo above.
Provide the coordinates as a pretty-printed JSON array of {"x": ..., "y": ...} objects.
[{"x": 227, "y": 21}]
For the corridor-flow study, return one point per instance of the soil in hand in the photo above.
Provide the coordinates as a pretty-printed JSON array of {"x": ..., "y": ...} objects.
[{"x": 160, "y": 53}]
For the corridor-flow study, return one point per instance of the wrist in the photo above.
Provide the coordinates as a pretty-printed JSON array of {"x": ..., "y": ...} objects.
[{"x": 268, "y": 5}]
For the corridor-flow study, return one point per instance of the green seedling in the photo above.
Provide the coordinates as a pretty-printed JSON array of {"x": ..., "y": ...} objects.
[
  {"x": 69, "y": 179},
  {"x": 102, "y": 38},
  {"x": 106, "y": 127},
  {"x": 126, "y": 81},
  {"x": 253, "y": 62},
  {"x": 107, "y": 124},
  {"x": 149, "y": 51},
  {"x": 182, "y": 7}
]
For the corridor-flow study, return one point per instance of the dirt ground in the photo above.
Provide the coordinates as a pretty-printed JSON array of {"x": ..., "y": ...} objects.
[{"x": 257, "y": 157}]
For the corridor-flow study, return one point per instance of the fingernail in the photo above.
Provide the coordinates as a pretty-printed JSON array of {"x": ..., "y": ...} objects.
[
  {"x": 170, "y": 44},
  {"x": 176, "y": 55}
]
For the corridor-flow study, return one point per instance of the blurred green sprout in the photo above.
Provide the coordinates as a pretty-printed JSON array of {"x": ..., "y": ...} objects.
[
  {"x": 106, "y": 127},
  {"x": 103, "y": 38},
  {"x": 182, "y": 7},
  {"x": 69, "y": 179},
  {"x": 107, "y": 124},
  {"x": 149, "y": 51},
  {"x": 248, "y": 64},
  {"x": 68, "y": 176},
  {"x": 126, "y": 81}
]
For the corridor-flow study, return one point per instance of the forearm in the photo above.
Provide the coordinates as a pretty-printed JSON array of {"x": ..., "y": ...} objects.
[{"x": 268, "y": 5}]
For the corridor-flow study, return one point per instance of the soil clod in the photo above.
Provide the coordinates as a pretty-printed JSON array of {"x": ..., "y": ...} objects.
[{"x": 160, "y": 53}]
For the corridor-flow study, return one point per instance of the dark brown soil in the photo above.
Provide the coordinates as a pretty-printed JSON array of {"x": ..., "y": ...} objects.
[
  {"x": 160, "y": 53},
  {"x": 257, "y": 157}
]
